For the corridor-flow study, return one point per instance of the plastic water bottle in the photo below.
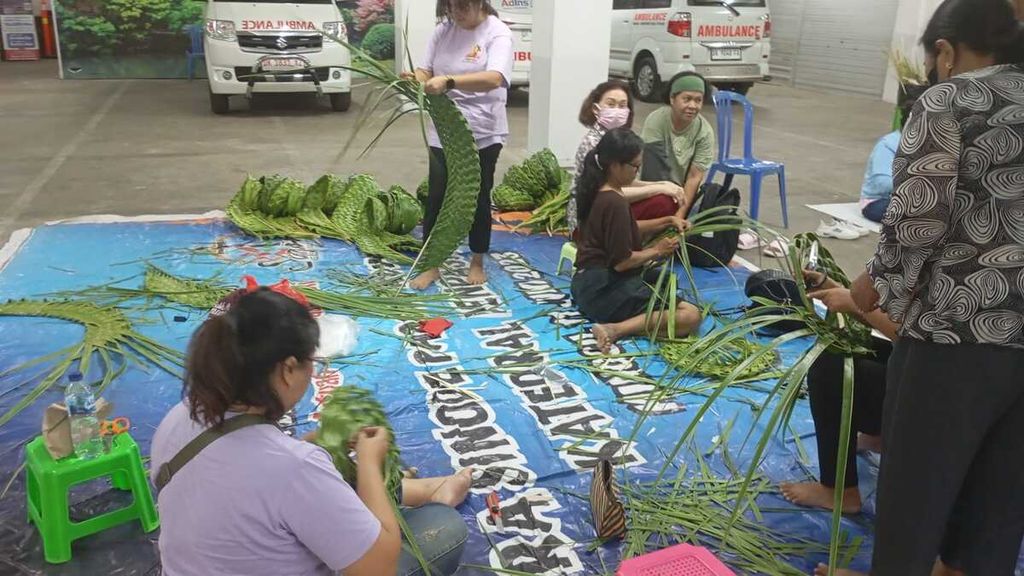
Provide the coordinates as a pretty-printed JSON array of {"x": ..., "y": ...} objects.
[
  {"x": 552, "y": 376},
  {"x": 85, "y": 427}
]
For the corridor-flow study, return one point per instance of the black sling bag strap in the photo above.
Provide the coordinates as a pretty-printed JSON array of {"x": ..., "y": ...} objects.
[{"x": 193, "y": 448}]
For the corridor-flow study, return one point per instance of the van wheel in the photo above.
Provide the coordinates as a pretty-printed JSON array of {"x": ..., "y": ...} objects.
[
  {"x": 341, "y": 102},
  {"x": 646, "y": 80},
  {"x": 219, "y": 103}
]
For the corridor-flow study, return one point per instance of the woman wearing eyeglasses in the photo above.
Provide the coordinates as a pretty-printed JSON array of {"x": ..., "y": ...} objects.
[
  {"x": 609, "y": 285},
  {"x": 607, "y": 107},
  {"x": 255, "y": 501}
]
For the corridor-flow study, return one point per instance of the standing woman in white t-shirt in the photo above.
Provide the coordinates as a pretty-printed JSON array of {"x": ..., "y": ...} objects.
[{"x": 469, "y": 58}]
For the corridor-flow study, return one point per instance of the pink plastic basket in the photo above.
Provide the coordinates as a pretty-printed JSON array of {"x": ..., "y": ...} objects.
[{"x": 679, "y": 560}]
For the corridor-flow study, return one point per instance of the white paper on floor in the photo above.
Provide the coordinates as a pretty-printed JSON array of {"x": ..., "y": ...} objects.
[{"x": 848, "y": 212}]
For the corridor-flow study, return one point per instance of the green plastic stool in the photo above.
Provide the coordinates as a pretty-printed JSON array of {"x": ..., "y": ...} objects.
[
  {"x": 48, "y": 481},
  {"x": 568, "y": 255}
]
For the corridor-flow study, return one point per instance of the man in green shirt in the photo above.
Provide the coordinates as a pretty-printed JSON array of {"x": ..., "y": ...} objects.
[{"x": 680, "y": 143}]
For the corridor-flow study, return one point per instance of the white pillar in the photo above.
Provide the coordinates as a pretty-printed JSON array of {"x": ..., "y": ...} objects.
[
  {"x": 911, "y": 18},
  {"x": 418, "y": 20},
  {"x": 571, "y": 44}
]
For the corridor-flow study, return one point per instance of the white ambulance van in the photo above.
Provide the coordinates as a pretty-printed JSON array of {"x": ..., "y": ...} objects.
[
  {"x": 517, "y": 14},
  {"x": 260, "y": 46},
  {"x": 726, "y": 41}
]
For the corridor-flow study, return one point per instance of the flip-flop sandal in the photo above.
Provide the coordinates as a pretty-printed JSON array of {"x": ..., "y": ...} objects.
[
  {"x": 748, "y": 240},
  {"x": 777, "y": 248}
]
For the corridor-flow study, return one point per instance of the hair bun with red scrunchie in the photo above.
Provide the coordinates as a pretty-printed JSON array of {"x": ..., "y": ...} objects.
[{"x": 283, "y": 287}]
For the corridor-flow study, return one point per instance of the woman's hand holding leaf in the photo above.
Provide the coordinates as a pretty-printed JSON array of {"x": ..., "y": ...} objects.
[
  {"x": 372, "y": 445},
  {"x": 666, "y": 246},
  {"x": 837, "y": 300},
  {"x": 436, "y": 85}
]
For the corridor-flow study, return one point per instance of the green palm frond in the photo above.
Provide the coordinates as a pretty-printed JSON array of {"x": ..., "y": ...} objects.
[
  {"x": 723, "y": 359},
  {"x": 109, "y": 334},
  {"x": 203, "y": 295},
  {"x": 463, "y": 167},
  {"x": 346, "y": 411}
]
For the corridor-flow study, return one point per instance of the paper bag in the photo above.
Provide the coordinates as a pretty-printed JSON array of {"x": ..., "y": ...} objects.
[{"x": 57, "y": 428}]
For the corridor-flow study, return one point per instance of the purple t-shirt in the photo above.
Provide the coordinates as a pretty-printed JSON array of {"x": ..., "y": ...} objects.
[
  {"x": 453, "y": 51},
  {"x": 256, "y": 502}
]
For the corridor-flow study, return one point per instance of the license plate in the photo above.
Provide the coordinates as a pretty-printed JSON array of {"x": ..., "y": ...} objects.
[
  {"x": 726, "y": 54},
  {"x": 282, "y": 64}
]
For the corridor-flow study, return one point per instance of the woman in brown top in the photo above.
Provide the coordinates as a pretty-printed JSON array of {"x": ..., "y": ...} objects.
[{"x": 610, "y": 287}]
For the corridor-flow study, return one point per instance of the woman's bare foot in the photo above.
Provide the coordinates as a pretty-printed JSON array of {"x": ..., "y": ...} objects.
[
  {"x": 477, "y": 274},
  {"x": 425, "y": 280},
  {"x": 869, "y": 443},
  {"x": 817, "y": 495},
  {"x": 605, "y": 337},
  {"x": 453, "y": 489},
  {"x": 822, "y": 570}
]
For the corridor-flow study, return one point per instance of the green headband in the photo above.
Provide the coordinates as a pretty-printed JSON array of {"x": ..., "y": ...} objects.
[{"x": 688, "y": 84}]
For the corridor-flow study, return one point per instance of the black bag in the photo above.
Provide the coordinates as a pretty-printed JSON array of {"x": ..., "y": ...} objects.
[
  {"x": 714, "y": 249},
  {"x": 656, "y": 167},
  {"x": 777, "y": 286}
]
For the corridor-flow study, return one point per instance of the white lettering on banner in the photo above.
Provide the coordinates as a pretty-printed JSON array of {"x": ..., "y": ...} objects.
[
  {"x": 472, "y": 301},
  {"x": 467, "y": 425},
  {"x": 290, "y": 255},
  {"x": 323, "y": 385},
  {"x": 635, "y": 394},
  {"x": 583, "y": 434},
  {"x": 468, "y": 432},
  {"x": 540, "y": 546}
]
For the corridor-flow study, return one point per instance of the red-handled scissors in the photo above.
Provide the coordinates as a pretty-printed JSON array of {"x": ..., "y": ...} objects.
[{"x": 494, "y": 507}]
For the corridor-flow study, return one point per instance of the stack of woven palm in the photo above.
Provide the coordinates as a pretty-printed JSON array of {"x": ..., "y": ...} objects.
[
  {"x": 531, "y": 184},
  {"x": 355, "y": 210}
]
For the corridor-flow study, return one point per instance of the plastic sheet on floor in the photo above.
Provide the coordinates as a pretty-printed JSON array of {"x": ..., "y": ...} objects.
[{"x": 521, "y": 432}]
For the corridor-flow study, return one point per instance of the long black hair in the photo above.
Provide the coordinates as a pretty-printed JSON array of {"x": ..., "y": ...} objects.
[
  {"x": 619, "y": 146},
  {"x": 444, "y": 13},
  {"x": 985, "y": 26},
  {"x": 232, "y": 357}
]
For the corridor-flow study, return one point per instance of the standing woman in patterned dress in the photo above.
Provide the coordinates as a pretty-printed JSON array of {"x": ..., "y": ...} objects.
[
  {"x": 469, "y": 58},
  {"x": 949, "y": 269}
]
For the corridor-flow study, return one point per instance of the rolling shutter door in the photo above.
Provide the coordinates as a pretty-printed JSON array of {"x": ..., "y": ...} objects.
[{"x": 839, "y": 45}]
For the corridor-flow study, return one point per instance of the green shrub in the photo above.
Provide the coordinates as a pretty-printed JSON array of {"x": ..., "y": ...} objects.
[
  {"x": 118, "y": 26},
  {"x": 380, "y": 42}
]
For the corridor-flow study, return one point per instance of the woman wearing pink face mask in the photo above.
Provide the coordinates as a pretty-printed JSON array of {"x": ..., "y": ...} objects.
[{"x": 607, "y": 107}]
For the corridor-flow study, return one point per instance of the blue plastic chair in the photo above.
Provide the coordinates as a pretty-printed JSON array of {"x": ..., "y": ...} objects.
[
  {"x": 747, "y": 165},
  {"x": 195, "y": 49}
]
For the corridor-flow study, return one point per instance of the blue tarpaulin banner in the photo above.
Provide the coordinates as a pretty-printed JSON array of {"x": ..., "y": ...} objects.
[{"x": 474, "y": 397}]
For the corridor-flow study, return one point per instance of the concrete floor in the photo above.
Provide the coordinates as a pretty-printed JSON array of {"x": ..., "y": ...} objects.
[{"x": 73, "y": 148}]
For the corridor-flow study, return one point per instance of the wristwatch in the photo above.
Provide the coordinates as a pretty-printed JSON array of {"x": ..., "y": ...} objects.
[{"x": 449, "y": 84}]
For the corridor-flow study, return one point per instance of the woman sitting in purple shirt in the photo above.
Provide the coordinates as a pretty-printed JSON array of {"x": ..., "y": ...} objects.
[
  {"x": 256, "y": 501},
  {"x": 469, "y": 58}
]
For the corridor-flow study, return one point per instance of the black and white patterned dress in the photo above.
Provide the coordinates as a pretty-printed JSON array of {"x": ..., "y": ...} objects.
[{"x": 950, "y": 263}]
